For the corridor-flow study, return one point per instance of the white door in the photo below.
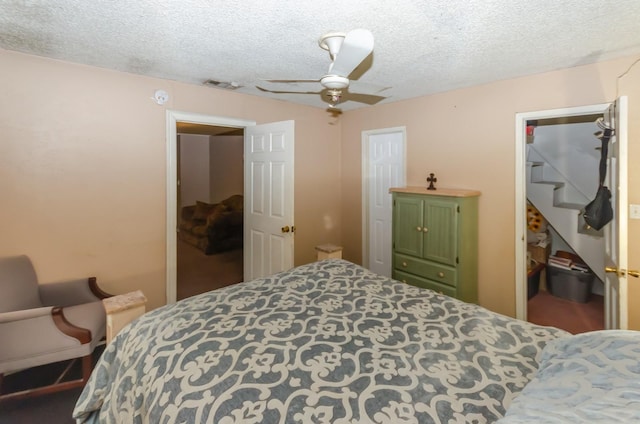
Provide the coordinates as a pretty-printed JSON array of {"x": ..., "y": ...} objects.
[
  {"x": 616, "y": 315},
  {"x": 386, "y": 169},
  {"x": 268, "y": 206}
]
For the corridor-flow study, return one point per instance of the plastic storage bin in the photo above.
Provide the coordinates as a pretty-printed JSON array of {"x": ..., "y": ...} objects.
[
  {"x": 569, "y": 284},
  {"x": 533, "y": 280}
]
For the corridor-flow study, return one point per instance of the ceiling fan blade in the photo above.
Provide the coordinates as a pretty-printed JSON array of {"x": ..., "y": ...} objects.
[
  {"x": 365, "y": 87},
  {"x": 285, "y": 91},
  {"x": 357, "y": 45},
  {"x": 289, "y": 81},
  {"x": 369, "y": 99}
]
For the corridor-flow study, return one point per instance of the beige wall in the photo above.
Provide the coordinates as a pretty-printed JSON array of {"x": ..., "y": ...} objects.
[
  {"x": 83, "y": 168},
  {"x": 194, "y": 169},
  {"x": 467, "y": 138},
  {"x": 82, "y": 165},
  {"x": 226, "y": 173}
]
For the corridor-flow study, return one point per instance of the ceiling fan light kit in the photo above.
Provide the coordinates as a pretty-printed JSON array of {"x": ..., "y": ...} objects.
[{"x": 334, "y": 97}]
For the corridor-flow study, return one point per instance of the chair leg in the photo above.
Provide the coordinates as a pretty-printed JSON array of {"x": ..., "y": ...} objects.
[
  {"x": 87, "y": 362},
  {"x": 87, "y": 367}
]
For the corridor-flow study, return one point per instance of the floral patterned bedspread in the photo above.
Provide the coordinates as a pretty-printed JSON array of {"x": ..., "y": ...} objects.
[{"x": 327, "y": 342}]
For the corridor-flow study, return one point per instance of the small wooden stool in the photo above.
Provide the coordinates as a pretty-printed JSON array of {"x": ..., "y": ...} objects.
[
  {"x": 121, "y": 310},
  {"x": 329, "y": 251}
]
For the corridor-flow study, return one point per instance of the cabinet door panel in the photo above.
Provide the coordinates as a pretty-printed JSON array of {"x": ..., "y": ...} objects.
[
  {"x": 441, "y": 225},
  {"x": 408, "y": 213}
]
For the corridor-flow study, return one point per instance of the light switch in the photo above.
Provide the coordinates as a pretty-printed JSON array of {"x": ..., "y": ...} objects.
[{"x": 634, "y": 211}]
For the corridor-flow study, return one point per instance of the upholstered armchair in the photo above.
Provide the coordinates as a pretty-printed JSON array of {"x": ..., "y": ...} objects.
[{"x": 46, "y": 323}]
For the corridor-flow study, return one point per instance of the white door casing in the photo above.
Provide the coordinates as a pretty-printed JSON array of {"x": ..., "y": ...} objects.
[
  {"x": 521, "y": 200},
  {"x": 268, "y": 207},
  {"x": 173, "y": 117},
  {"x": 384, "y": 166},
  {"x": 616, "y": 307}
]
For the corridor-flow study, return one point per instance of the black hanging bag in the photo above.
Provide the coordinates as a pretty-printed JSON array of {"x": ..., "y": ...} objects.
[{"x": 599, "y": 211}]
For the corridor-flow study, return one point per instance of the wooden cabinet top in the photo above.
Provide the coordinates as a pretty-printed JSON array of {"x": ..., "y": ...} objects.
[{"x": 451, "y": 192}]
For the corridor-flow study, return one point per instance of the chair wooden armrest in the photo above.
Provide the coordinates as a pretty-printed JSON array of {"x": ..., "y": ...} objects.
[
  {"x": 71, "y": 292},
  {"x": 55, "y": 314},
  {"x": 81, "y": 334},
  {"x": 96, "y": 290}
]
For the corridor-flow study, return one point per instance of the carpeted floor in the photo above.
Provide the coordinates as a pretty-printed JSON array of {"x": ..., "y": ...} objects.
[
  {"x": 54, "y": 408},
  {"x": 574, "y": 317},
  {"x": 199, "y": 273}
]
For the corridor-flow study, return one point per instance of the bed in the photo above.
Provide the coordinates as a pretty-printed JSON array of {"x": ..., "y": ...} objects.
[{"x": 327, "y": 342}]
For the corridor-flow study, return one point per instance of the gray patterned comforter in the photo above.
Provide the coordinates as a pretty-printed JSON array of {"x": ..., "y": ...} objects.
[{"x": 327, "y": 342}]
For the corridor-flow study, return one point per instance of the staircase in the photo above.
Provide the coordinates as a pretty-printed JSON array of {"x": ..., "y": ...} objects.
[{"x": 560, "y": 203}]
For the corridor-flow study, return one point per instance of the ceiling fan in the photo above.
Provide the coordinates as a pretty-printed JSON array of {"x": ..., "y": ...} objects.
[{"x": 347, "y": 51}]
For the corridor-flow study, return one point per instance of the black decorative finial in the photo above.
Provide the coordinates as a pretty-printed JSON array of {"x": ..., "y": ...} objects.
[{"x": 432, "y": 179}]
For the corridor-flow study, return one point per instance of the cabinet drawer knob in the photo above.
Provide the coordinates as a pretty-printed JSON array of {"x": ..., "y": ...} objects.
[
  {"x": 441, "y": 274},
  {"x": 419, "y": 228},
  {"x": 425, "y": 229},
  {"x": 404, "y": 264}
]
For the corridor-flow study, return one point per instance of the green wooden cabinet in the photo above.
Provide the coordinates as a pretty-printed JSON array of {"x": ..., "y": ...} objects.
[{"x": 435, "y": 240}]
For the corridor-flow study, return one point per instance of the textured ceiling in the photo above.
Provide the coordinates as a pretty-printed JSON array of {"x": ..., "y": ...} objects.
[{"x": 421, "y": 47}]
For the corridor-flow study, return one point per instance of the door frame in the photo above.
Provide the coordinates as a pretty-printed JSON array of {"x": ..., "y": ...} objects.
[
  {"x": 173, "y": 117},
  {"x": 521, "y": 191},
  {"x": 366, "y": 182}
]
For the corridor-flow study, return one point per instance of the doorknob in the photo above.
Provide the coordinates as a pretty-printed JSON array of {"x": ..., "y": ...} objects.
[
  {"x": 285, "y": 229},
  {"x": 633, "y": 272}
]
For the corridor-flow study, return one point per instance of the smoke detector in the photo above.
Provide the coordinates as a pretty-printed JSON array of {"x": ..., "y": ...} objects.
[{"x": 161, "y": 97}]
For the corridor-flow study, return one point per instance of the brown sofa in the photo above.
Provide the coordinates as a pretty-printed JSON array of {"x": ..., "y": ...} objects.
[{"x": 213, "y": 228}]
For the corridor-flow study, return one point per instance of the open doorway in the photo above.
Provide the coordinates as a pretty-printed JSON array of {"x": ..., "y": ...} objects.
[
  {"x": 548, "y": 181},
  {"x": 210, "y": 185},
  {"x": 268, "y": 207},
  {"x": 172, "y": 201},
  {"x": 565, "y": 258}
]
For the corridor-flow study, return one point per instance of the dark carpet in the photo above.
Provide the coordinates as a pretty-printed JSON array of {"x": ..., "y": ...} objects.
[{"x": 54, "y": 408}]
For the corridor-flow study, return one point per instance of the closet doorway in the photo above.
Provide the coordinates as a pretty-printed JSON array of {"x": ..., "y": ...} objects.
[{"x": 534, "y": 166}]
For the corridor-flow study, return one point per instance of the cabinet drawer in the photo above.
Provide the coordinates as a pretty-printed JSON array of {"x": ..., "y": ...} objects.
[
  {"x": 429, "y": 270},
  {"x": 414, "y": 280}
]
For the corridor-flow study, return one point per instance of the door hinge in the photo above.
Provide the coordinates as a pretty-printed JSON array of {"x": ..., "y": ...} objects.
[
  {"x": 457, "y": 260},
  {"x": 458, "y": 208}
]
